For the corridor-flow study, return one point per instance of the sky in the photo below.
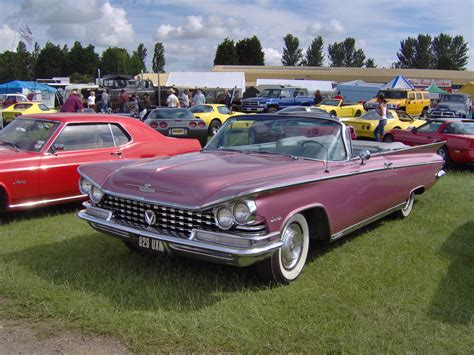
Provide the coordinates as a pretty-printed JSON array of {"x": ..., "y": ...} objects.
[{"x": 191, "y": 29}]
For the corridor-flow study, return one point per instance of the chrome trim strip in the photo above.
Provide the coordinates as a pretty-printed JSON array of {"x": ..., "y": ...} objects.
[
  {"x": 365, "y": 222},
  {"x": 30, "y": 204},
  {"x": 240, "y": 252}
]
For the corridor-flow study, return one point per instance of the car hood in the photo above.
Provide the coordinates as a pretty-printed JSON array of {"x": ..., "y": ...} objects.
[
  {"x": 9, "y": 156},
  {"x": 202, "y": 179}
]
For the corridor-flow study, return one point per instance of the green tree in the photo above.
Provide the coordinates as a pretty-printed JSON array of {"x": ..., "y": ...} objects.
[
  {"x": 314, "y": 56},
  {"x": 10, "y": 66},
  {"x": 158, "y": 64},
  {"x": 344, "y": 54},
  {"x": 51, "y": 61},
  {"x": 82, "y": 60},
  {"x": 25, "y": 61},
  {"x": 226, "y": 53},
  {"x": 370, "y": 63},
  {"x": 77, "y": 78},
  {"x": 249, "y": 51},
  {"x": 292, "y": 53},
  {"x": 449, "y": 53},
  {"x": 415, "y": 52},
  {"x": 135, "y": 65},
  {"x": 114, "y": 60},
  {"x": 141, "y": 54}
]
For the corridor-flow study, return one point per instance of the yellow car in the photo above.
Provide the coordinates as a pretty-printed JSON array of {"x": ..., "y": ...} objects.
[
  {"x": 365, "y": 125},
  {"x": 414, "y": 102},
  {"x": 339, "y": 108},
  {"x": 23, "y": 108},
  {"x": 213, "y": 114}
]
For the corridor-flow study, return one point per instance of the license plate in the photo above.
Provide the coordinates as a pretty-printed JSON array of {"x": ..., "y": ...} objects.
[
  {"x": 178, "y": 131},
  {"x": 151, "y": 244}
]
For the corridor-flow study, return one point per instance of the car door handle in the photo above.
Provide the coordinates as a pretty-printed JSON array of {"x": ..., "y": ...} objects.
[
  {"x": 117, "y": 154},
  {"x": 388, "y": 164}
]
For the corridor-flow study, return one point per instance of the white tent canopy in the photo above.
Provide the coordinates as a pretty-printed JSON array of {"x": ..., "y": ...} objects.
[
  {"x": 192, "y": 80},
  {"x": 398, "y": 82},
  {"x": 311, "y": 85}
]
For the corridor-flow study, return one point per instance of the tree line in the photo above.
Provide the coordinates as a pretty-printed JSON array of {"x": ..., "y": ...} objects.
[
  {"x": 424, "y": 52},
  {"x": 80, "y": 63}
]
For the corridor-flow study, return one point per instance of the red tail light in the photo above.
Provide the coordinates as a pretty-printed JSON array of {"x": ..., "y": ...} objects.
[
  {"x": 192, "y": 124},
  {"x": 154, "y": 125},
  {"x": 201, "y": 124},
  {"x": 163, "y": 125}
]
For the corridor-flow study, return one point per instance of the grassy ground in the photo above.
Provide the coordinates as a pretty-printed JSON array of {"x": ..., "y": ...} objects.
[{"x": 397, "y": 286}]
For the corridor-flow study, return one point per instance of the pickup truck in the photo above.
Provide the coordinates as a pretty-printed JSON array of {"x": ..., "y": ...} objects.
[
  {"x": 143, "y": 87},
  {"x": 272, "y": 100},
  {"x": 452, "y": 105}
]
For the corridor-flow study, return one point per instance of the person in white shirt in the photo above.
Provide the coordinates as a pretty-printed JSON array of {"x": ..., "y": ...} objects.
[
  {"x": 172, "y": 100},
  {"x": 199, "y": 98},
  {"x": 382, "y": 111},
  {"x": 91, "y": 100}
]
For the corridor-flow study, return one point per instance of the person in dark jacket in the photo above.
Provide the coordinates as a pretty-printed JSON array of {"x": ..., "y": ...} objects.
[
  {"x": 73, "y": 103},
  {"x": 317, "y": 97}
]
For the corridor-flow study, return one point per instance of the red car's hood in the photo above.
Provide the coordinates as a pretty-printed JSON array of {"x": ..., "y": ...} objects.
[
  {"x": 199, "y": 179},
  {"x": 10, "y": 155}
]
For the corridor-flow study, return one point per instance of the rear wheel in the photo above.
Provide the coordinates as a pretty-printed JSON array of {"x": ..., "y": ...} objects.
[
  {"x": 388, "y": 138},
  {"x": 334, "y": 113},
  {"x": 358, "y": 113},
  {"x": 424, "y": 113},
  {"x": 214, "y": 126},
  {"x": 406, "y": 210},
  {"x": 272, "y": 110},
  {"x": 287, "y": 263}
]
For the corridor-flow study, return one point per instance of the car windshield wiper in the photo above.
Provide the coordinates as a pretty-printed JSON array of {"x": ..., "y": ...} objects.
[{"x": 11, "y": 144}]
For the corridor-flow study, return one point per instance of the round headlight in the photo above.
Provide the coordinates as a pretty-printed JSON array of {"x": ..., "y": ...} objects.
[
  {"x": 96, "y": 195},
  {"x": 224, "y": 217},
  {"x": 85, "y": 186},
  {"x": 242, "y": 212}
]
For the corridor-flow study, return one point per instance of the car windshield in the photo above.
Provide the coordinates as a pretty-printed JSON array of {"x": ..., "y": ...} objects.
[
  {"x": 330, "y": 102},
  {"x": 173, "y": 113},
  {"x": 453, "y": 98},
  {"x": 295, "y": 137},
  {"x": 270, "y": 93},
  {"x": 373, "y": 115},
  {"x": 393, "y": 94},
  {"x": 28, "y": 134}
]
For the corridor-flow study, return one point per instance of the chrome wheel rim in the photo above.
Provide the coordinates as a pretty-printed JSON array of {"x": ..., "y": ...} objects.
[
  {"x": 442, "y": 154},
  {"x": 292, "y": 248},
  {"x": 215, "y": 128}
]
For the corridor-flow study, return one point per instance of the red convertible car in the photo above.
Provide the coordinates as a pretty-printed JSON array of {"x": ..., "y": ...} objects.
[
  {"x": 457, "y": 135},
  {"x": 39, "y": 155},
  {"x": 264, "y": 196}
]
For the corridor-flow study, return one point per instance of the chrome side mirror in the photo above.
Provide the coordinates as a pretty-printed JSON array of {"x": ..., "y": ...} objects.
[
  {"x": 364, "y": 156},
  {"x": 57, "y": 148}
]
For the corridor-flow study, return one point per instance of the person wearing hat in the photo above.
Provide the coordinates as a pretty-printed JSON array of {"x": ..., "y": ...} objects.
[
  {"x": 382, "y": 111},
  {"x": 73, "y": 103},
  {"x": 172, "y": 100}
]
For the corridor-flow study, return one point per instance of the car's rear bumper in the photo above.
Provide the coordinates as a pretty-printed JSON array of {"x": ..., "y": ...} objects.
[
  {"x": 224, "y": 248},
  {"x": 201, "y": 134}
]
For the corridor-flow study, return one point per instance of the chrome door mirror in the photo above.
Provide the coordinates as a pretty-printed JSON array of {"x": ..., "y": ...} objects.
[
  {"x": 57, "y": 148},
  {"x": 364, "y": 156}
]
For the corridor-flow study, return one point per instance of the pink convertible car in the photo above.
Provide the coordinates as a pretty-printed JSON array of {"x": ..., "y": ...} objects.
[{"x": 263, "y": 190}]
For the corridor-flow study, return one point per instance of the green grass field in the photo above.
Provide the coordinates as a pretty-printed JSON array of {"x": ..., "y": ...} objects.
[{"x": 397, "y": 286}]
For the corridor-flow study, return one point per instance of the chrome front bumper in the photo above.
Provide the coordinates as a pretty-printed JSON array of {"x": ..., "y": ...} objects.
[{"x": 223, "y": 248}]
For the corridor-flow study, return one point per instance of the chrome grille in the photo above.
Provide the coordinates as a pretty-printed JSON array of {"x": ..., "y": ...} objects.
[
  {"x": 171, "y": 221},
  {"x": 251, "y": 103},
  {"x": 442, "y": 114}
]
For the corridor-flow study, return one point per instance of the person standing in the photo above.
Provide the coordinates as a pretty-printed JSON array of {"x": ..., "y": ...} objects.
[
  {"x": 73, "y": 103},
  {"x": 172, "y": 100},
  {"x": 228, "y": 99},
  {"x": 382, "y": 111},
  {"x": 184, "y": 98},
  {"x": 317, "y": 97},
  {"x": 105, "y": 101},
  {"x": 124, "y": 100},
  {"x": 146, "y": 101},
  {"x": 199, "y": 98},
  {"x": 339, "y": 96},
  {"x": 91, "y": 100}
]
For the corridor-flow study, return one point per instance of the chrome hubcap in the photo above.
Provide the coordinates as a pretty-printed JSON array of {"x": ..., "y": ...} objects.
[{"x": 292, "y": 246}]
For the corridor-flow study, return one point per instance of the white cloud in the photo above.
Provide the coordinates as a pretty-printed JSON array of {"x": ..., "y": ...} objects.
[
  {"x": 272, "y": 56},
  {"x": 194, "y": 27},
  {"x": 98, "y": 23},
  {"x": 7, "y": 36},
  {"x": 330, "y": 29}
]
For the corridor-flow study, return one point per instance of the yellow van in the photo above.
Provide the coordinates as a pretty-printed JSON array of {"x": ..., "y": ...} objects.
[{"x": 413, "y": 102}]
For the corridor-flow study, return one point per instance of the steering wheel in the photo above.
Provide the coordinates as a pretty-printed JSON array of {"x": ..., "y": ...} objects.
[{"x": 307, "y": 142}]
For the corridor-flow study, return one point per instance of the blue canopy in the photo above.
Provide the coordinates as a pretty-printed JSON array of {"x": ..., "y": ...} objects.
[{"x": 17, "y": 86}]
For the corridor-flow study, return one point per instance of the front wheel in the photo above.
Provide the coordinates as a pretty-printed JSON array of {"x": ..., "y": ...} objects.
[
  {"x": 443, "y": 152},
  {"x": 334, "y": 113},
  {"x": 272, "y": 110},
  {"x": 287, "y": 263},
  {"x": 214, "y": 126},
  {"x": 388, "y": 138},
  {"x": 358, "y": 113}
]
